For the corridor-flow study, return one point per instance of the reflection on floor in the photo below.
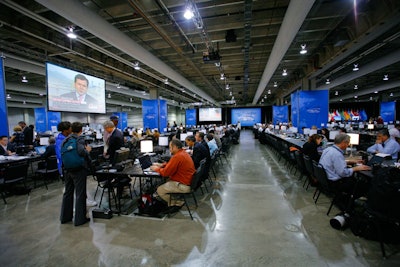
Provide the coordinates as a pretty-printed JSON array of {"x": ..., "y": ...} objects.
[{"x": 256, "y": 214}]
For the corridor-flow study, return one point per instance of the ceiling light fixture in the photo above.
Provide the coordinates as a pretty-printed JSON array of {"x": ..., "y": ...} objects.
[
  {"x": 136, "y": 65},
  {"x": 24, "y": 79},
  {"x": 269, "y": 92},
  {"x": 109, "y": 95},
  {"x": 166, "y": 81},
  {"x": 130, "y": 100},
  {"x": 391, "y": 94},
  {"x": 275, "y": 84},
  {"x": 24, "y": 102},
  {"x": 355, "y": 87},
  {"x": 386, "y": 77},
  {"x": 375, "y": 92},
  {"x": 284, "y": 73},
  {"x": 118, "y": 85},
  {"x": 71, "y": 33},
  {"x": 370, "y": 98},
  {"x": 217, "y": 64},
  {"x": 356, "y": 96},
  {"x": 336, "y": 93},
  {"x": 327, "y": 81},
  {"x": 303, "y": 49},
  {"x": 222, "y": 76},
  {"x": 341, "y": 100},
  {"x": 265, "y": 96},
  {"x": 230, "y": 93},
  {"x": 355, "y": 67},
  {"x": 227, "y": 87},
  {"x": 8, "y": 96},
  {"x": 188, "y": 12},
  {"x": 262, "y": 100}
]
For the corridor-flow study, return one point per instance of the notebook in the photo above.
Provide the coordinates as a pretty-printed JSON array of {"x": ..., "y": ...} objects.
[{"x": 40, "y": 150}]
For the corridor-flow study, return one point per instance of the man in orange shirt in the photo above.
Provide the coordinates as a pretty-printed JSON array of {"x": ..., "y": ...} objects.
[{"x": 179, "y": 169}]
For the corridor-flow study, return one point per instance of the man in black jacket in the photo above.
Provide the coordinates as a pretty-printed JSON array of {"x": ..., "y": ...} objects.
[{"x": 115, "y": 140}]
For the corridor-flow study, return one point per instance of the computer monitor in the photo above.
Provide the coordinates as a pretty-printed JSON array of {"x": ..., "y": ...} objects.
[
  {"x": 306, "y": 131},
  {"x": 390, "y": 126},
  {"x": 146, "y": 146},
  {"x": 183, "y": 136},
  {"x": 189, "y": 133},
  {"x": 40, "y": 150},
  {"x": 371, "y": 126},
  {"x": 44, "y": 141},
  {"x": 332, "y": 135},
  {"x": 163, "y": 141},
  {"x": 313, "y": 131},
  {"x": 121, "y": 155},
  {"x": 276, "y": 127},
  {"x": 354, "y": 139},
  {"x": 283, "y": 128}
]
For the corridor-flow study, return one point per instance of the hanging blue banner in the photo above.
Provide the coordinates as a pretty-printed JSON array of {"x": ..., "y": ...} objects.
[
  {"x": 191, "y": 118},
  {"x": 3, "y": 101},
  {"x": 163, "y": 115},
  {"x": 313, "y": 108},
  {"x": 40, "y": 120},
  {"x": 123, "y": 120},
  {"x": 150, "y": 114},
  {"x": 53, "y": 119},
  {"x": 388, "y": 111},
  {"x": 294, "y": 98},
  {"x": 280, "y": 114}
]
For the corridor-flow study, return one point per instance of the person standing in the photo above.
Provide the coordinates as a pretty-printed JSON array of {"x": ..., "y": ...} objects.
[
  {"x": 64, "y": 128},
  {"x": 75, "y": 180},
  {"x": 115, "y": 140}
]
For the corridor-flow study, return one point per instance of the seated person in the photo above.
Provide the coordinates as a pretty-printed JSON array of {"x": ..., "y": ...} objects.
[
  {"x": 180, "y": 170},
  {"x": 384, "y": 144},
  {"x": 198, "y": 151},
  {"x": 50, "y": 149},
  {"x": 212, "y": 145},
  {"x": 6, "y": 149},
  {"x": 335, "y": 165},
  {"x": 310, "y": 148}
]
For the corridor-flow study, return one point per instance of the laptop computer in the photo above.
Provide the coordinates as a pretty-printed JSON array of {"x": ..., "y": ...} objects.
[
  {"x": 377, "y": 160},
  {"x": 145, "y": 163},
  {"x": 40, "y": 150}
]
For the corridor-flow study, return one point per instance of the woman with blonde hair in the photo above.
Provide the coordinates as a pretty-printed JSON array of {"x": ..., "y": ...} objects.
[{"x": 17, "y": 139}]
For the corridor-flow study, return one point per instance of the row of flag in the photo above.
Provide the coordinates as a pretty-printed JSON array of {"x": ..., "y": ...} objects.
[{"x": 345, "y": 115}]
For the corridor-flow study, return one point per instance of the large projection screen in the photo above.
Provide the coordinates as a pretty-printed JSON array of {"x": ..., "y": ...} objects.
[
  {"x": 246, "y": 116},
  {"x": 210, "y": 114},
  {"x": 72, "y": 91}
]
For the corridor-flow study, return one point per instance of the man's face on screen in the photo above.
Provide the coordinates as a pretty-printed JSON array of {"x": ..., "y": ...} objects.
[{"x": 81, "y": 86}]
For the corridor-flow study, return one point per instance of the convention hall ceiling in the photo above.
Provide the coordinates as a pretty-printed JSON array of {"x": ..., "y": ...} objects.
[{"x": 249, "y": 43}]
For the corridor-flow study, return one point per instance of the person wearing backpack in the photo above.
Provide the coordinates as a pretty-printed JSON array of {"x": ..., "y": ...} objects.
[{"x": 76, "y": 159}]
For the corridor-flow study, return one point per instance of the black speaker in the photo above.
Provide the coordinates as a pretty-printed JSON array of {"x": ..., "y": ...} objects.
[{"x": 230, "y": 36}]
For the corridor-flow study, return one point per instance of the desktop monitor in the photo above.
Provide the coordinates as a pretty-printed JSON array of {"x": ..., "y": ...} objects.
[
  {"x": 390, "y": 126},
  {"x": 121, "y": 155},
  {"x": 163, "y": 141},
  {"x": 332, "y": 135},
  {"x": 183, "y": 136},
  {"x": 313, "y": 131},
  {"x": 306, "y": 131},
  {"x": 276, "y": 127},
  {"x": 40, "y": 150},
  {"x": 371, "y": 126},
  {"x": 44, "y": 141},
  {"x": 354, "y": 139},
  {"x": 189, "y": 133},
  {"x": 283, "y": 128},
  {"x": 146, "y": 146}
]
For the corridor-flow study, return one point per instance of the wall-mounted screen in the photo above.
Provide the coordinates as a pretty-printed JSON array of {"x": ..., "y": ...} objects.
[
  {"x": 210, "y": 114},
  {"x": 72, "y": 91},
  {"x": 246, "y": 116}
]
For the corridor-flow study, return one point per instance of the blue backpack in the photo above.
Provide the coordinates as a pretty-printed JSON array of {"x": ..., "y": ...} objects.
[{"x": 69, "y": 154}]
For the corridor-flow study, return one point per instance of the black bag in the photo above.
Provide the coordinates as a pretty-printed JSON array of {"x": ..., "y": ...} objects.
[
  {"x": 148, "y": 205},
  {"x": 102, "y": 213}
]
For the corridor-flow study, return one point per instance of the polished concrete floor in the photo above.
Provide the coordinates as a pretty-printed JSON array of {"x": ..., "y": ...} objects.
[{"x": 256, "y": 214}]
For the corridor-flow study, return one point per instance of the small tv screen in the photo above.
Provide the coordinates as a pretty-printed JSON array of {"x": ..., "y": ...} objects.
[
  {"x": 210, "y": 114},
  {"x": 72, "y": 91}
]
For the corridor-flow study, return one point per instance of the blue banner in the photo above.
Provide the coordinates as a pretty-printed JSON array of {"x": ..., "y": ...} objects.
[
  {"x": 388, "y": 111},
  {"x": 246, "y": 116},
  {"x": 191, "y": 117},
  {"x": 53, "y": 119},
  {"x": 3, "y": 101},
  {"x": 40, "y": 120},
  {"x": 150, "y": 114},
  {"x": 313, "y": 108},
  {"x": 123, "y": 120},
  {"x": 280, "y": 114},
  {"x": 294, "y": 99},
  {"x": 163, "y": 115}
]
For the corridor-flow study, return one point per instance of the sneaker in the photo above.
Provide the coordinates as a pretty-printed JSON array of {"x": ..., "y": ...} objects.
[{"x": 90, "y": 203}]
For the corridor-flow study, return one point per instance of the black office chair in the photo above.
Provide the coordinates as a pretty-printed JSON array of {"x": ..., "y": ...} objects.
[
  {"x": 50, "y": 170},
  {"x": 13, "y": 174},
  {"x": 310, "y": 170},
  {"x": 298, "y": 155},
  {"x": 195, "y": 184}
]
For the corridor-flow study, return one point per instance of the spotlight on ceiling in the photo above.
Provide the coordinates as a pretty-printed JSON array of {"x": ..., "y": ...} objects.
[
  {"x": 375, "y": 92},
  {"x": 227, "y": 87},
  {"x": 24, "y": 102},
  {"x": 188, "y": 12},
  {"x": 275, "y": 84},
  {"x": 336, "y": 93},
  {"x": 327, "y": 81},
  {"x": 131, "y": 99},
  {"x": 230, "y": 93},
  {"x": 8, "y": 96},
  {"x": 386, "y": 77},
  {"x": 109, "y": 95},
  {"x": 391, "y": 94},
  {"x": 341, "y": 100},
  {"x": 269, "y": 92},
  {"x": 222, "y": 76},
  {"x": 24, "y": 79},
  {"x": 303, "y": 49},
  {"x": 356, "y": 96},
  {"x": 284, "y": 73},
  {"x": 370, "y": 98},
  {"x": 71, "y": 33},
  {"x": 355, "y": 87},
  {"x": 265, "y": 96},
  {"x": 136, "y": 65},
  {"x": 355, "y": 67},
  {"x": 166, "y": 81},
  {"x": 118, "y": 85}
]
